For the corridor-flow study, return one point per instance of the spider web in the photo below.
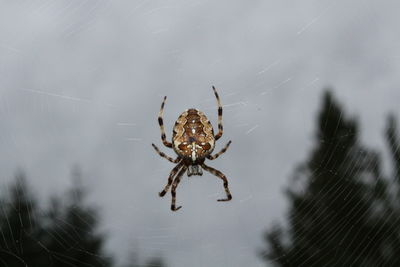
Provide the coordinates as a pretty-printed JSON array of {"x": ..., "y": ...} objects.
[{"x": 82, "y": 82}]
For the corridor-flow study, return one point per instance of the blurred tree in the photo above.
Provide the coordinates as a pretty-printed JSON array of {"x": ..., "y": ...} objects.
[
  {"x": 64, "y": 235},
  {"x": 393, "y": 215},
  {"x": 74, "y": 238},
  {"x": 340, "y": 209},
  {"x": 20, "y": 228},
  {"x": 156, "y": 262},
  {"x": 153, "y": 262},
  {"x": 132, "y": 259},
  {"x": 394, "y": 147}
]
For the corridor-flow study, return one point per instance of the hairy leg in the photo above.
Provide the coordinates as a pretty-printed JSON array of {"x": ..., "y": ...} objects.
[
  {"x": 174, "y": 186},
  {"x": 220, "y": 127},
  {"x": 162, "y": 154},
  {"x": 211, "y": 157},
  {"x": 223, "y": 177},
  {"x": 161, "y": 122},
  {"x": 170, "y": 179}
]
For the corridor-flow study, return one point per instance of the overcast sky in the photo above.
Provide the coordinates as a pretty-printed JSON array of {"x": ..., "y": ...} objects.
[{"x": 81, "y": 82}]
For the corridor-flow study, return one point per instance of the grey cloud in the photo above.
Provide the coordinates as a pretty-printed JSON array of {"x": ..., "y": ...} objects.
[{"x": 72, "y": 72}]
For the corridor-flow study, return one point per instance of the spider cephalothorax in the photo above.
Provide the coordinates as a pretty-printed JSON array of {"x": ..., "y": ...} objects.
[{"x": 193, "y": 140}]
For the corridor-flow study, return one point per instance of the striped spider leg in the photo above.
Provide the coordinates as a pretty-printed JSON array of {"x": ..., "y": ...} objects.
[{"x": 193, "y": 140}]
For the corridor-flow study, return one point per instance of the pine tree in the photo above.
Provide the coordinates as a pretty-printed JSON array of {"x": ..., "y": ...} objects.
[
  {"x": 337, "y": 202},
  {"x": 75, "y": 240},
  {"x": 394, "y": 148},
  {"x": 393, "y": 215},
  {"x": 66, "y": 234},
  {"x": 20, "y": 228},
  {"x": 155, "y": 262}
]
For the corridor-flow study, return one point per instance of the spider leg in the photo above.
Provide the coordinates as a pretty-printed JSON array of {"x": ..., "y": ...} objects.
[
  {"x": 223, "y": 177},
  {"x": 174, "y": 186},
  {"x": 170, "y": 179},
  {"x": 160, "y": 121},
  {"x": 211, "y": 157},
  {"x": 162, "y": 154},
  {"x": 220, "y": 128}
]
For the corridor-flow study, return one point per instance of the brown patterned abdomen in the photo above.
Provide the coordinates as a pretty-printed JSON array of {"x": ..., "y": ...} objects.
[{"x": 193, "y": 135}]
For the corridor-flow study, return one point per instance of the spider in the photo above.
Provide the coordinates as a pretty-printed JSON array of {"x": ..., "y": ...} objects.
[{"x": 193, "y": 140}]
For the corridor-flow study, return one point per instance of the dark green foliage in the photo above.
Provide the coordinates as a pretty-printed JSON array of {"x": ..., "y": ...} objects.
[
  {"x": 153, "y": 262},
  {"x": 20, "y": 229},
  {"x": 394, "y": 147},
  {"x": 63, "y": 236},
  {"x": 73, "y": 237},
  {"x": 341, "y": 214},
  {"x": 393, "y": 244}
]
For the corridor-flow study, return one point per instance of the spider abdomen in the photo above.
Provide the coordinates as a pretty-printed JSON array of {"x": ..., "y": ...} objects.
[
  {"x": 193, "y": 135},
  {"x": 193, "y": 140}
]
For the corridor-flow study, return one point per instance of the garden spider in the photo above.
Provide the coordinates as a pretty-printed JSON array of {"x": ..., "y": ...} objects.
[{"x": 193, "y": 140}]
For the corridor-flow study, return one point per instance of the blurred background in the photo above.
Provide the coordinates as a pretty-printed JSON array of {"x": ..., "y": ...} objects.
[{"x": 310, "y": 91}]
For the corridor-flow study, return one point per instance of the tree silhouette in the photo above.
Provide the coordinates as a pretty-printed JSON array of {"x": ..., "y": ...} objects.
[
  {"x": 393, "y": 214},
  {"x": 20, "y": 228},
  {"x": 74, "y": 239},
  {"x": 65, "y": 234},
  {"x": 394, "y": 148},
  {"x": 339, "y": 202},
  {"x": 155, "y": 262}
]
